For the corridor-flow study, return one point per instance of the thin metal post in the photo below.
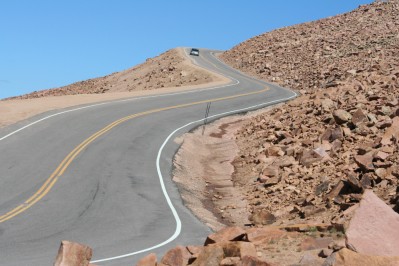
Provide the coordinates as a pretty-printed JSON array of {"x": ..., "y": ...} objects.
[{"x": 208, "y": 107}]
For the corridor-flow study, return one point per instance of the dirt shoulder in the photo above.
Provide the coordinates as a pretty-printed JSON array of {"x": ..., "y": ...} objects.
[{"x": 21, "y": 108}]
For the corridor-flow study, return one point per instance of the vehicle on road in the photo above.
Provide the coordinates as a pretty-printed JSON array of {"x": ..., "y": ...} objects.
[{"x": 194, "y": 51}]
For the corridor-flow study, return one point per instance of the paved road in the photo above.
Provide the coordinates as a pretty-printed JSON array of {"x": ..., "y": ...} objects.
[{"x": 79, "y": 176}]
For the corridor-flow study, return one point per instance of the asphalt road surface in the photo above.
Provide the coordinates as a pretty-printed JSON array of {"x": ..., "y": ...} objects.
[{"x": 101, "y": 174}]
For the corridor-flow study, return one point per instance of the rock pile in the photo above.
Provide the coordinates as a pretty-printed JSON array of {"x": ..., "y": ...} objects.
[
  {"x": 358, "y": 46},
  {"x": 313, "y": 156},
  {"x": 311, "y": 159},
  {"x": 166, "y": 70}
]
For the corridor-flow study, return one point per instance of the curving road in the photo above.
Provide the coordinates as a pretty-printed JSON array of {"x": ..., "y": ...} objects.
[{"x": 101, "y": 174}]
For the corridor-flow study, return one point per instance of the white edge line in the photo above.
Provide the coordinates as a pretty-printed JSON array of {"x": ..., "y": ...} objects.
[
  {"x": 176, "y": 216},
  {"x": 118, "y": 101}
]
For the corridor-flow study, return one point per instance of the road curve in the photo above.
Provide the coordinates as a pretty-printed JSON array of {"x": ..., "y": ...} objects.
[{"x": 101, "y": 174}]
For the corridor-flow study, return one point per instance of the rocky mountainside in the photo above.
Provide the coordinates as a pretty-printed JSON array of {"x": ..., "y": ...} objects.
[
  {"x": 312, "y": 158},
  {"x": 169, "y": 69},
  {"x": 361, "y": 45}
]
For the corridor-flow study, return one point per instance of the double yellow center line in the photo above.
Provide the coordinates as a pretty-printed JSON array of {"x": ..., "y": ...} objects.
[{"x": 50, "y": 182}]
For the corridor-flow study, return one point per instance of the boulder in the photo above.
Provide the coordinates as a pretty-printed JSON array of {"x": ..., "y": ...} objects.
[
  {"x": 73, "y": 254},
  {"x": 359, "y": 116},
  {"x": 262, "y": 216},
  {"x": 365, "y": 162},
  {"x": 341, "y": 116},
  {"x": 234, "y": 233},
  {"x": 238, "y": 249},
  {"x": 264, "y": 234},
  {"x": 373, "y": 228},
  {"x": 392, "y": 131},
  {"x": 346, "y": 257},
  {"x": 178, "y": 256},
  {"x": 211, "y": 255}
]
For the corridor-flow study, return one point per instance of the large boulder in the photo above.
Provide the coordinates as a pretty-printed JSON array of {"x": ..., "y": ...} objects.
[
  {"x": 73, "y": 254},
  {"x": 346, "y": 257},
  {"x": 178, "y": 256},
  {"x": 374, "y": 228},
  {"x": 226, "y": 234}
]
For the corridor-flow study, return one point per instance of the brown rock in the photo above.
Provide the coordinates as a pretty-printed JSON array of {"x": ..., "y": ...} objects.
[
  {"x": 238, "y": 249},
  {"x": 325, "y": 252},
  {"x": 234, "y": 233},
  {"x": 322, "y": 187},
  {"x": 391, "y": 132},
  {"x": 178, "y": 256},
  {"x": 270, "y": 171},
  {"x": 211, "y": 255},
  {"x": 261, "y": 216},
  {"x": 253, "y": 261},
  {"x": 311, "y": 210},
  {"x": 149, "y": 260},
  {"x": 346, "y": 257},
  {"x": 336, "y": 190},
  {"x": 341, "y": 116},
  {"x": 381, "y": 155},
  {"x": 354, "y": 183},
  {"x": 231, "y": 261},
  {"x": 365, "y": 162},
  {"x": 73, "y": 254},
  {"x": 374, "y": 227},
  {"x": 195, "y": 250},
  {"x": 264, "y": 234},
  {"x": 359, "y": 116}
]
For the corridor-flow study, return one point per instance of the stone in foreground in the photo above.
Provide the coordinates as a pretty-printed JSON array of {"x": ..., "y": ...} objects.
[
  {"x": 374, "y": 228},
  {"x": 73, "y": 254}
]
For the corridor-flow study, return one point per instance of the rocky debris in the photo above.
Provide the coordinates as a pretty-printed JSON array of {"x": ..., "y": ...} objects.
[
  {"x": 73, "y": 254},
  {"x": 314, "y": 156},
  {"x": 166, "y": 70},
  {"x": 358, "y": 48},
  {"x": 349, "y": 258},
  {"x": 266, "y": 246},
  {"x": 373, "y": 228}
]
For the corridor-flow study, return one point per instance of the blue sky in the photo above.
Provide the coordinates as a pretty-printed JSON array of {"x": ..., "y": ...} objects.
[{"x": 46, "y": 43}]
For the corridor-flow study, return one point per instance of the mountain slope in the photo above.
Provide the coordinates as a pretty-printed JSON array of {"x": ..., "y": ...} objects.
[{"x": 169, "y": 69}]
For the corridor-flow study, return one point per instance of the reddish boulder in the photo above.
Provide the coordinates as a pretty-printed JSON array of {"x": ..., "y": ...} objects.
[
  {"x": 73, "y": 254},
  {"x": 261, "y": 216},
  {"x": 391, "y": 132},
  {"x": 211, "y": 255},
  {"x": 346, "y": 257},
  {"x": 264, "y": 235},
  {"x": 341, "y": 116},
  {"x": 178, "y": 256},
  {"x": 359, "y": 116},
  {"x": 234, "y": 233},
  {"x": 365, "y": 162},
  {"x": 374, "y": 227}
]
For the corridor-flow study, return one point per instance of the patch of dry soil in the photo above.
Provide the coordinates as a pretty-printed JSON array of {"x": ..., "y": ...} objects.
[{"x": 203, "y": 172}]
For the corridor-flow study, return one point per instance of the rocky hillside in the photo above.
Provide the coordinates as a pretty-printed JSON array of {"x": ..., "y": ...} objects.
[
  {"x": 169, "y": 69},
  {"x": 312, "y": 158},
  {"x": 361, "y": 46}
]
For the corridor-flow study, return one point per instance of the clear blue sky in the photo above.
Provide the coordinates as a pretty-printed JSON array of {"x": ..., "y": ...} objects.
[{"x": 46, "y": 43}]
